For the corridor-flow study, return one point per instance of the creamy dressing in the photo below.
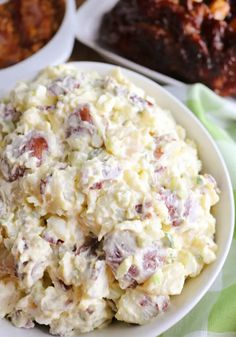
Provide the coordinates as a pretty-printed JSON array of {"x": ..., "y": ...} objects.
[{"x": 104, "y": 211}]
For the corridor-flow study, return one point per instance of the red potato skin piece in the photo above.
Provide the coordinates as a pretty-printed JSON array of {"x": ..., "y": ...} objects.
[
  {"x": 158, "y": 153},
  {"x": 16, "y": 174},
  {"x": 37, "y": 145},
  {"x": 85, "y": 114},
  {"x": 77, "y": 121}
]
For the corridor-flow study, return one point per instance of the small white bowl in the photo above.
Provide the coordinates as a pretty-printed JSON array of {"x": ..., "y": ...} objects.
[
  {"x": 213, "y": 163},
  {"x": 56, "y": 51}
]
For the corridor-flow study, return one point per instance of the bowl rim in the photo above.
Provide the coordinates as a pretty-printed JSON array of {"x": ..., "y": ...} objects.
[{"x": 182, "y": 312}]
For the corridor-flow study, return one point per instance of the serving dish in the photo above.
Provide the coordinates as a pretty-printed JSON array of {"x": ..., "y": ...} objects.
[
  {"x": 56, "y": 51},
  {"x": 213, "y": 163},
  {"x": 87, "y": 26}
]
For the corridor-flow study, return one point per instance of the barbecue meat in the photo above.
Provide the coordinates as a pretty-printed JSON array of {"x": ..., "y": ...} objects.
[{"x": 193, "y": 41}]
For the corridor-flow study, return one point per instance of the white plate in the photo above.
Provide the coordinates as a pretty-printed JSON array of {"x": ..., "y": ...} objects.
[
  {"x": 56, "y": 51},
  {"x": 213, "y": 163},
  {"x": 88, "y": 20}
]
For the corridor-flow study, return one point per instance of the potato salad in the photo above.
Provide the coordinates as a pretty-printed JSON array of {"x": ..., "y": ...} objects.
[{"x": 104, "y": 208}]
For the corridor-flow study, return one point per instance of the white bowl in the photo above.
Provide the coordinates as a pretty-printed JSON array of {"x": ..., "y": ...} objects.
[
  {"x": 213, "y": 163},
  {"x": 88, "y": 23},
  {"x": 56, "y": 51}
]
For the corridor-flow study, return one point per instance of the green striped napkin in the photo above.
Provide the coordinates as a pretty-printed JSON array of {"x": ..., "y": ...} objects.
[{"x": 215, "y": 315}]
